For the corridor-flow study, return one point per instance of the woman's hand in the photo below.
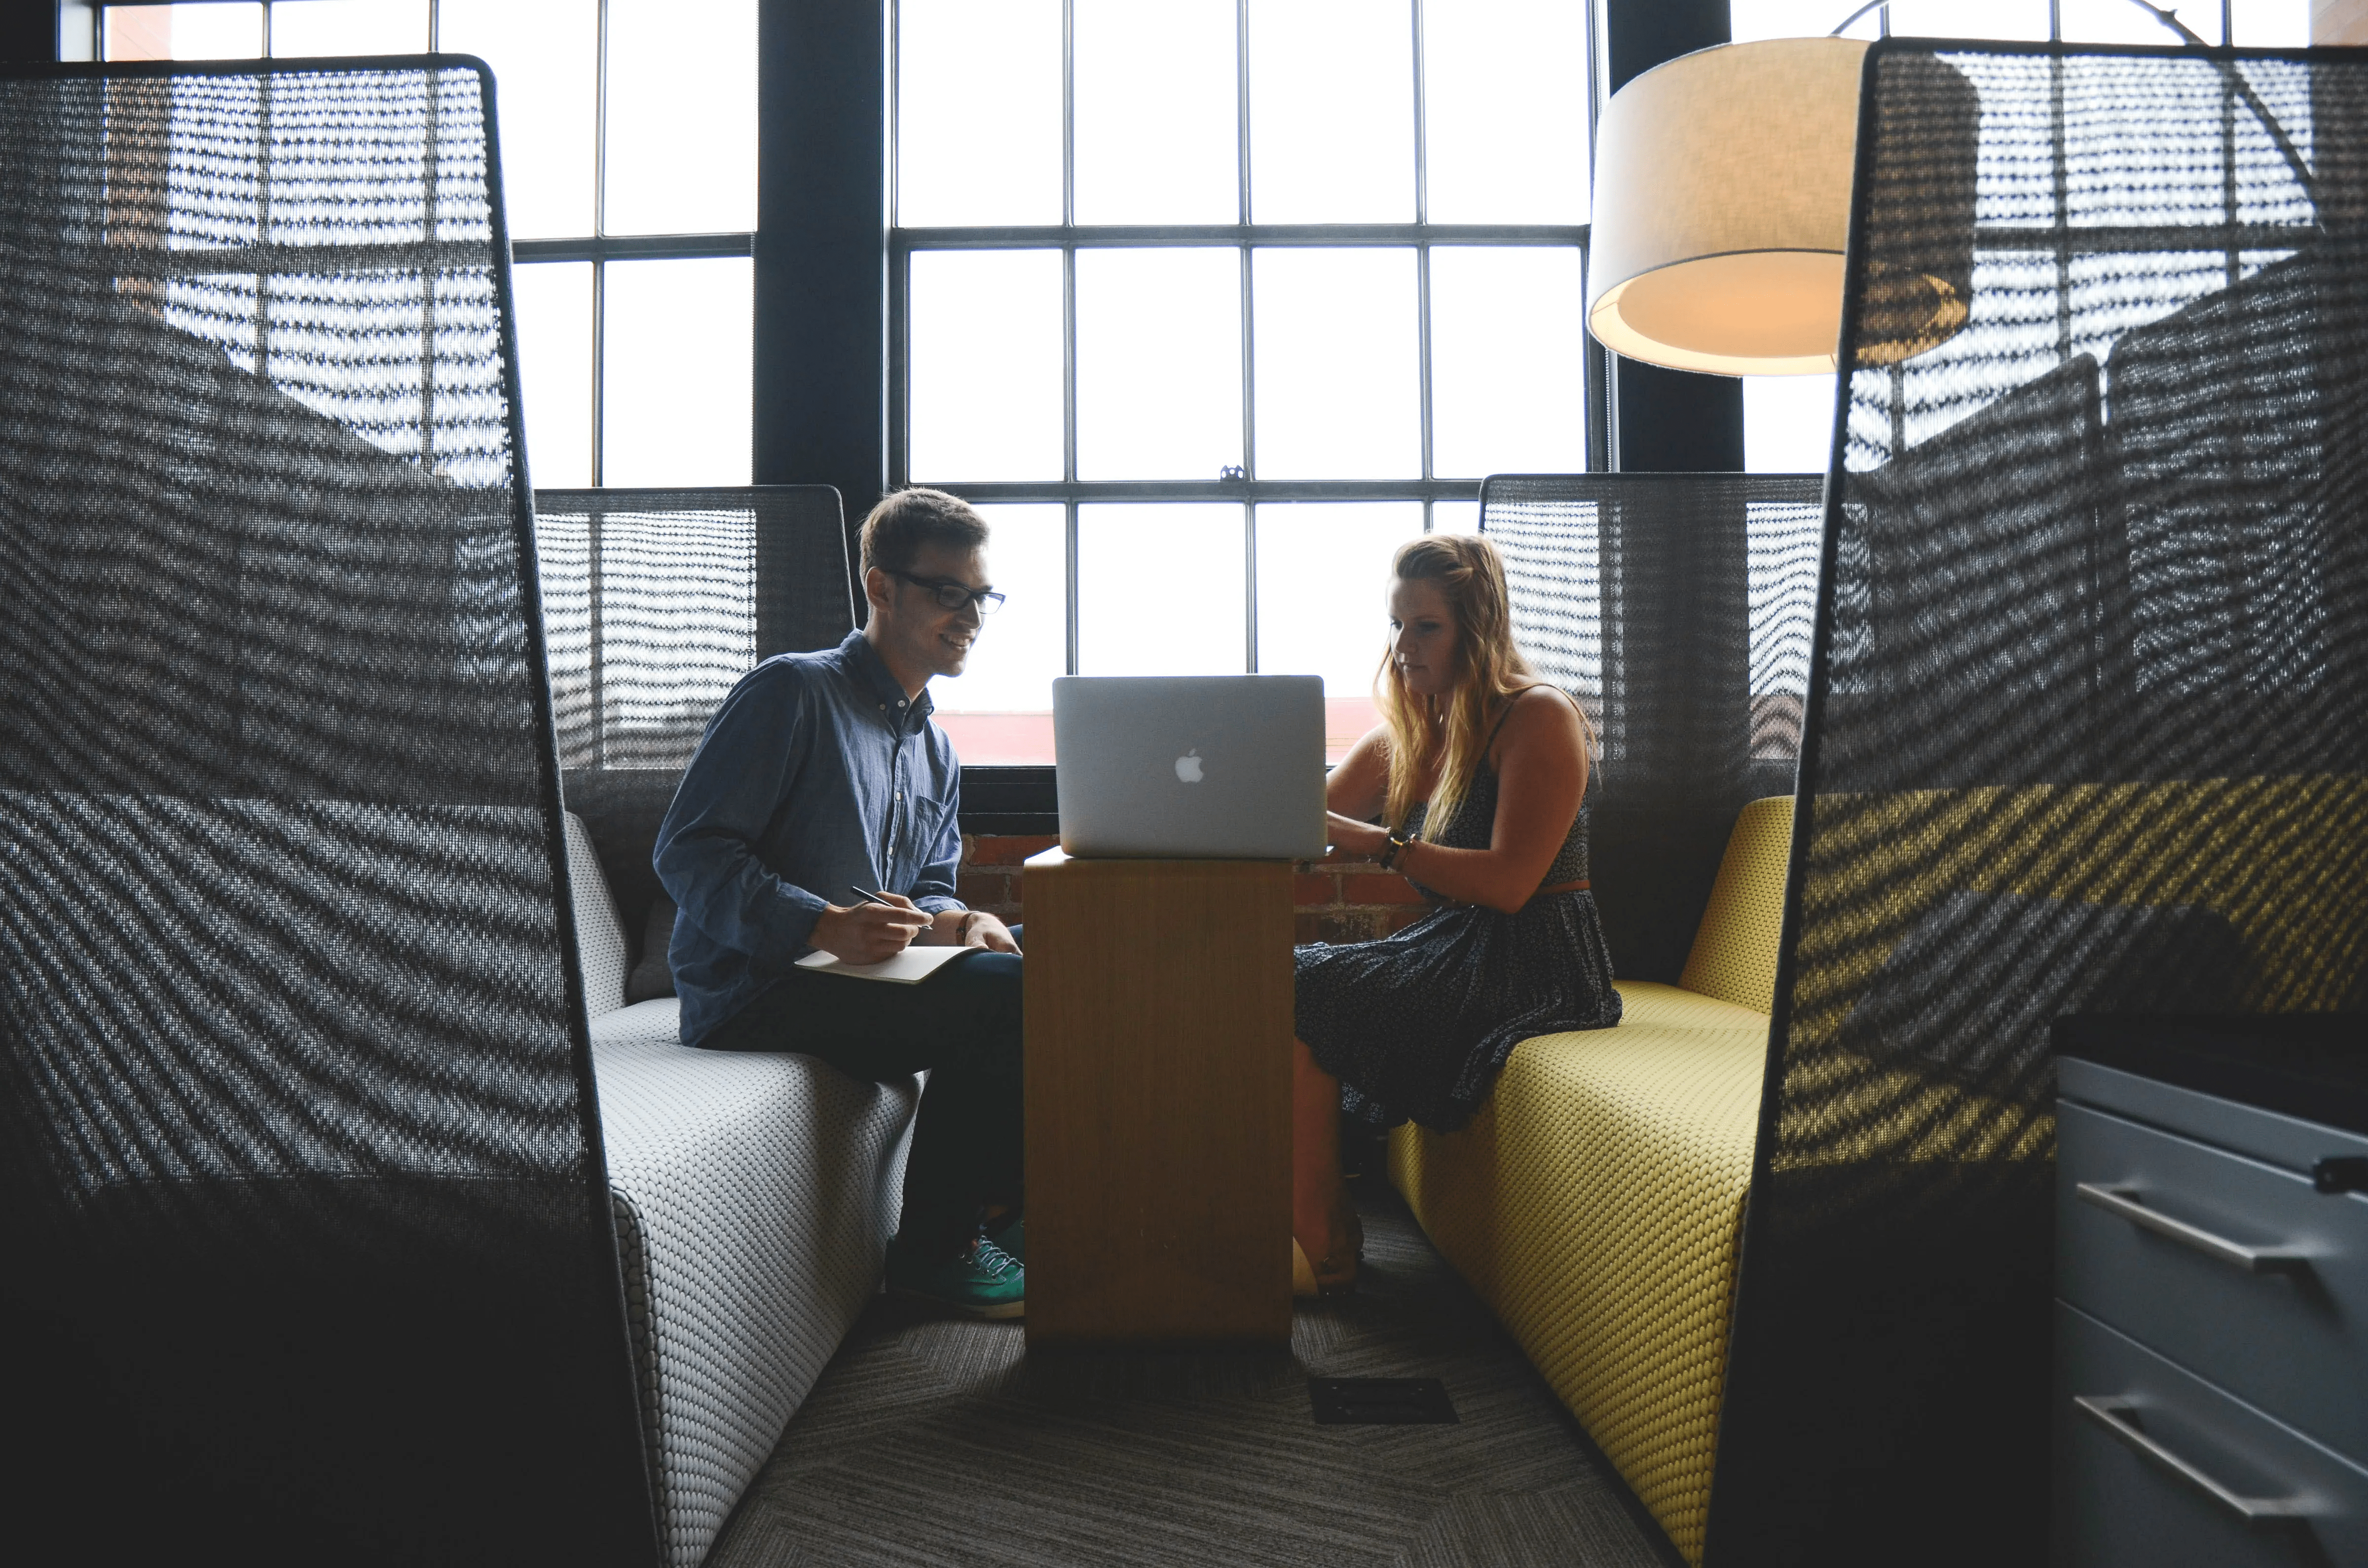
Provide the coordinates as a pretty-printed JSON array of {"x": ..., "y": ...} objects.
[
  {"x": 986, "y": 931},
  {"x": 968, "y": 929},
  {"x": 868, "y": 933},
  {"x": 1356, "y": 840}
]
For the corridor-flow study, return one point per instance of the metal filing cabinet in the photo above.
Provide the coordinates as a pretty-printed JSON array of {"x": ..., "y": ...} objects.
[{"x": 2210, "y": 1401}]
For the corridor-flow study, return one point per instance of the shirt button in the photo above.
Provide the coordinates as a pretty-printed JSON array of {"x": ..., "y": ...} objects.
[{"x": 900, "y": 702}]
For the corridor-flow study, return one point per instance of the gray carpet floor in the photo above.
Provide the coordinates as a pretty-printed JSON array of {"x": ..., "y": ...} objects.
[{"x": 938, "y": 1443}]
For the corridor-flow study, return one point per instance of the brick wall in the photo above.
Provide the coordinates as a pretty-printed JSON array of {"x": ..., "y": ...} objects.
[{"x": 1335, "y": 900}]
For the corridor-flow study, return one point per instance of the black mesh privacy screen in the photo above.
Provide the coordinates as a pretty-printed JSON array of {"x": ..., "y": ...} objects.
[
  {"x": 656, "y": 603},
  {"x": 306, "y": 1225},
  {"x": 1677, "y": 608},
  {"x": 2087, "y": 725}
]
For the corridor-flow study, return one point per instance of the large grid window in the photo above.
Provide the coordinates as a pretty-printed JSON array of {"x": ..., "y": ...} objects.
[
  {"x": 629, "y": 171},
  {"x": 1787, "y": 421},
  {"x": 1211, "y": 304}
]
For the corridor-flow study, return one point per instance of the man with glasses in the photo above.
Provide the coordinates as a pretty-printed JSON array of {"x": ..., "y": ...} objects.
[{"x": 819, "y": 814}]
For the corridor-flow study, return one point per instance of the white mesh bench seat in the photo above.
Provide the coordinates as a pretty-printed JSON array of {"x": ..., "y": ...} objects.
[{"x": 755, "y": 1195}]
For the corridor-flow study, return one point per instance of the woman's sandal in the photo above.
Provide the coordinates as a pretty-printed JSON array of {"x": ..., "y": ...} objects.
[{"x": 1305, "y": 1281}]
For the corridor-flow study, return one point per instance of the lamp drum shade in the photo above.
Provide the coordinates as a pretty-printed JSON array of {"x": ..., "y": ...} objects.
[{"x": 1721, "y": 217}]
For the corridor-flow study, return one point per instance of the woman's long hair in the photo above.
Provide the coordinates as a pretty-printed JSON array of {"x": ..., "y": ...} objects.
[{"x": 1491, "y": 671}]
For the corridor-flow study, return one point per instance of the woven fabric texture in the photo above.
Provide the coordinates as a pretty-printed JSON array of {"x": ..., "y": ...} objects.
[
  {"x": 1595, "y": 1203},
  {"x": 600, "y": 949},
  {"x": 1734, "y": 956},
  {"x": 1677, "y": 608},
  {"x": 764, "y": 1189},
  {"x": 298, "y": 1119},
  {"x": 2088, "y": 726},
  {"x": 756, "y": 1193},
  {"x": 656, "y": 603}
]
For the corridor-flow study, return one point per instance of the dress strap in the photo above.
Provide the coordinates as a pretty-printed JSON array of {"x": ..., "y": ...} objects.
[{"x": 1537, "y": 686}]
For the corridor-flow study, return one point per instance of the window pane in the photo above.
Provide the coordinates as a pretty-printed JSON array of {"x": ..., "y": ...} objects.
[
  {"x": 1155, "y": 112},
  {"x": 985, "y": 364},
  {"x": 1507, "y": 360},
  {"x": 674, "y": 372},
  {"x": 1160, "y": 590},
  {"x": 1337, "y": 388},
  {"x": 2025, "y": 20},
  {"x": 545, "y": 55},
  {"x": 2264, "y": 24},
  {"x": 1331, "y": 111},
  {"x": 2118, "y": 21},
  {"x": 1751, "y": 19},
  {"x": 183, "y": 32},
  {"x": 1323, "y": 601},
  {"x": 978, "y": 112},
  {"x": 1000, "y": 708},
  {"x": 1455, "y": 517},
  {"x": 1506, "y": 131},
  {"x": 1159, "y": 363},
  {"x": 1788, "y": 424},
  {"x": 682, "y": 117},
  {"x": 554, "y": 332},
  {"x": 303, "y": 28}
]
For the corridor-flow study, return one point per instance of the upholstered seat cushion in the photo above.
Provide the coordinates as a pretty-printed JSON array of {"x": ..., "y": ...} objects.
[
  {"x": 754, "y": 1196},
  {"x": 1596, "y": 1203}
]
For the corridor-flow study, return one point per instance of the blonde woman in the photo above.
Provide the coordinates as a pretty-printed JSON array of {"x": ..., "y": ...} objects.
[{"x": 1471, "y": 786}]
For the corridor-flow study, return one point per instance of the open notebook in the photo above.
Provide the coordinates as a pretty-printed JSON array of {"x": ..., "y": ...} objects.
[{"x": 907, "y": 968}]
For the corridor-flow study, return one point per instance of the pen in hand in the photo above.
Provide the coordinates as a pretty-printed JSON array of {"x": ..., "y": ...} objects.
[{"x": 882, "y": 899}]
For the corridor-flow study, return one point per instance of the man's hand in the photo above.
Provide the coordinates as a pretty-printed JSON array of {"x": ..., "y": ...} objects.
[{"x": 868, "y": 933}]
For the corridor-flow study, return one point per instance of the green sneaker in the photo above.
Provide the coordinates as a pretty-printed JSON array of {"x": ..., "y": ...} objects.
[
  {"x": 1013, "y": 1239},
  {"x": 985, "y": 1282}
]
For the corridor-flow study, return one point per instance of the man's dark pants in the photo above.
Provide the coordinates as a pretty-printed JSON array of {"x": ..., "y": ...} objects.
[{"x": 962, "y": 1024}]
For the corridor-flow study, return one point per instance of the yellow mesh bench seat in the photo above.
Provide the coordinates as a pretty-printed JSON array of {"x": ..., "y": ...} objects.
[{"x": 1596, "y": 1201}]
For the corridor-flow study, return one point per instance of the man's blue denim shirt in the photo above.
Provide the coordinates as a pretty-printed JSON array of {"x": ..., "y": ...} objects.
[{"x": 815, "y": 777}]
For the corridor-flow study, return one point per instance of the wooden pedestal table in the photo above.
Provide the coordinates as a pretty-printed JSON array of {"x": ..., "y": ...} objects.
[{"x": 1159, "y": 1006}]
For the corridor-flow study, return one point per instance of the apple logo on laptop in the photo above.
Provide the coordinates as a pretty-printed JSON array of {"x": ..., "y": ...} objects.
[{"x": 1188, "y": 767}]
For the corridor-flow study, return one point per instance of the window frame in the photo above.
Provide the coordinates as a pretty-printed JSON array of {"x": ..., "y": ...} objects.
[
  {"x": 599, "y": 247},
  {"x": 1421, "y": 236}
]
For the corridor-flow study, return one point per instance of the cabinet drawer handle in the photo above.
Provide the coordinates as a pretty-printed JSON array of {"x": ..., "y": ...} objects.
[
  {"x": 2254, "y": 1260},
  {"x": 2113, "y": 1414}
]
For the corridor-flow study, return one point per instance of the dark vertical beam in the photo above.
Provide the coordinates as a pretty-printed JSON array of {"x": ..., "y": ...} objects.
[
  {"x": 1668, "y": 420},
  {"x": 821, "y": 411},
  {"x": 29, "y": 33}
]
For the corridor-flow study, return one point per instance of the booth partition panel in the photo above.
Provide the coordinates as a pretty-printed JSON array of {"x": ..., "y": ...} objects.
[
  {"x": 656, "y": 603},
  {"x": 2087, "y": 730},
  {"x": 308, "y": 1231},
  {"x": 1677, "y": 608}
]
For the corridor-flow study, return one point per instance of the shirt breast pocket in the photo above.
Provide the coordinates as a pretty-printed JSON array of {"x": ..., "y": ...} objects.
[{"x": 922, "y": 825}]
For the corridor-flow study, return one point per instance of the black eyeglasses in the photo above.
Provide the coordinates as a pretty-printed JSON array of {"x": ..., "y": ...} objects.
[{"x": 952, "y": 594}]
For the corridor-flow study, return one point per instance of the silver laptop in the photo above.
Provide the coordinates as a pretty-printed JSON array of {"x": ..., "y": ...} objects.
[{"x": 1190, "y": 766}]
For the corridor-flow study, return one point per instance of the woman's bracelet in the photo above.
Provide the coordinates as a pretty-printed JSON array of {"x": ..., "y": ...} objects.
[{"x": 1398, "y": 847}]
